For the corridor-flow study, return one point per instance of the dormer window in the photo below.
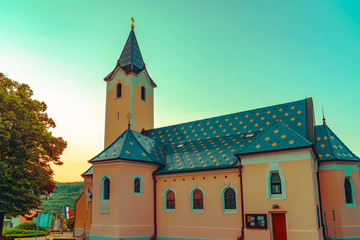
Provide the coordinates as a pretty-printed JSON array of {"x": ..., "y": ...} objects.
[
  {"x": 118, "y": 90},
  {"x": 249, "y": 135},
  {"x": 143, "y": 93}
]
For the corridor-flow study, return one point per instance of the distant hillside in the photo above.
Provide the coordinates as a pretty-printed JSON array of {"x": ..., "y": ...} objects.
[{"x": 65, "y": 196}]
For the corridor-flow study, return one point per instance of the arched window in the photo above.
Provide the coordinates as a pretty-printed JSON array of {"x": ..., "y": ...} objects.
[
  {"x": 348, "y": 191},
  {"x": 275, "y": 183},
  {"x": 143, "y": 93},
  {"x": 138, "y": 182},
  {"x": 230, "y": 199},
  {"x": 170, "y": 200},
  {"x": 106, "y": 189},
  {"x": 198, "y": 201},
  {"x": 228, "y": 194},
  {"x": 118, "y": 90}
]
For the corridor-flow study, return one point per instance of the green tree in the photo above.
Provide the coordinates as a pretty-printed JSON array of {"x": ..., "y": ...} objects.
[
  {"x": 27, "y": 147},
  {"x": 69, "y": 223}
]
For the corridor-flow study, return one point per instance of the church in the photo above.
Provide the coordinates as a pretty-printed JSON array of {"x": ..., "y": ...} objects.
[{"x": 267, "y": 173}]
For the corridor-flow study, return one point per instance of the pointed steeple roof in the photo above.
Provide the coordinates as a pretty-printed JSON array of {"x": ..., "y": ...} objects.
[
  {"x": 330, "y": 147},
  {"x": 130, "y": 58},
  {"x": 133, "y": 146}
]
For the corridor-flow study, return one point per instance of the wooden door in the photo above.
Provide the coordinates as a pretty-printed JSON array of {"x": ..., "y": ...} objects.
[{"x": 278, "y": 221}]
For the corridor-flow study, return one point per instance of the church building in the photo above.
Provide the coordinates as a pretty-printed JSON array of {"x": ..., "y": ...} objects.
[{"x": 267, "y": 173}]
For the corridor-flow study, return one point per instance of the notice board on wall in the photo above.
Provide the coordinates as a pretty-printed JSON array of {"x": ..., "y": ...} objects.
[{"x": 256, "y": 221}]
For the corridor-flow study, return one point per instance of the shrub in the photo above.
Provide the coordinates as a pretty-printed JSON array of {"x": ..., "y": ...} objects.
[
  {"x": 16, "y": 232},
  {"x": 29, "y": 226}
]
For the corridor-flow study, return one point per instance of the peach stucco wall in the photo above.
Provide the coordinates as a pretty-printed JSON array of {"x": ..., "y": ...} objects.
[
  {"x": 347, "y": 220},
  {"x": 212, "y": 223},
  {"x": 299, "y": 205},
  {"x": 83, "y": 216},
  {"x": 129, "y": 214}
]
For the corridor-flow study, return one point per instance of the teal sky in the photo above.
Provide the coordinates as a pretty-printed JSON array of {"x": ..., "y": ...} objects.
[{"x": 208, "y": 58}]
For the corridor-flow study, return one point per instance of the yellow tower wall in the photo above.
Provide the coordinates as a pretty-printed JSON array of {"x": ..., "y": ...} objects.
[{"x": 142, "y": 112}]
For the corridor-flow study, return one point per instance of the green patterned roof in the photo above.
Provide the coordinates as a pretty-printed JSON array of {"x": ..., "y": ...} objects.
[
  {"x": 212, "y": 143},
  {"x": 293, "y": 114},
  {"x": 88, "y": 172},
  {"x": 330, "y": 147},
  {"x": 133, "y": 146}
]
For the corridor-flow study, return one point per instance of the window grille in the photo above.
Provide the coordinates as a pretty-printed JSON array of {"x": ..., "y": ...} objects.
[
  {"x": 170, "y": 200},
  {"x": 275, "y": 183},
  {"x": 198, "y": 200},
  {"x": 230, "y": 199}
]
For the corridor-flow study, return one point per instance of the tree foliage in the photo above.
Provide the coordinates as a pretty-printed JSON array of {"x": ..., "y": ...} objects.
[
  {"x": 27, "y": 147},
  {"x": 69, "y": 223},
  {"x": 65, "y": 195}
]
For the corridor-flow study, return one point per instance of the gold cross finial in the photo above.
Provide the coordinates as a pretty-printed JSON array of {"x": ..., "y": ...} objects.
[{"x": 132, "y": 24}]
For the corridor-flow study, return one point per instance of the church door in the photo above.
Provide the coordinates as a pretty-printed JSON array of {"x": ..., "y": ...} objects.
[{"x": 278, "y": 221}]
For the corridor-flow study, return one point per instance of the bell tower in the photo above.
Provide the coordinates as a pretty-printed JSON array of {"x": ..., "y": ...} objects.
[{"x": 129, "y": 93}]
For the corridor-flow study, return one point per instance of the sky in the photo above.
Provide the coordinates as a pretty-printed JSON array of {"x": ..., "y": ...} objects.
[{"x": 208, "y": 58}]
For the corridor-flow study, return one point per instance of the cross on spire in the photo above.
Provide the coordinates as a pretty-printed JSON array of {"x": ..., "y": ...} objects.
[
  {"x": 132, "y": 24},
  {"x": 129, "y": 117}
]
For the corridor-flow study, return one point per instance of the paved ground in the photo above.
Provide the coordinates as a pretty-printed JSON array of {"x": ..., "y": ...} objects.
[{"x": 51, "y": 237}]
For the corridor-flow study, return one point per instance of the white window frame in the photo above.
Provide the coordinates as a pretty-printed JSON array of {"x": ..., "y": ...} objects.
[
  {"x": 164, "y": 194},
  {"x": 141, "y": 184},
  {"x": 274, "y": 168},
  {"x": 350, "y": 205},
  {"x": 102, "y": 180},
  {"x": 191, "y": 193},
  {"x": 222, "y": 193}
]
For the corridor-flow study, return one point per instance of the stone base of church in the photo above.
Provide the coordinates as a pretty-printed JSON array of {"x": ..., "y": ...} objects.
[
  {"x": 78, "y": 232},
  {"x": 185, "y": 238}
]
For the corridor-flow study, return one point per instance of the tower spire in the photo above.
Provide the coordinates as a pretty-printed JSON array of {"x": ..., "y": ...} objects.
[
  {"x": 130, "y": 59},
  {"x": 324, "y": 122}
]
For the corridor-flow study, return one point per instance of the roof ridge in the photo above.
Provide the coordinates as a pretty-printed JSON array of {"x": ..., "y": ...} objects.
[
  {"x": 296, "y": 133},
  {"x": 225, "y": 115},
  {"x": 262, "y": 132},
  {"x": 328, "y": 139},
  {"x": 147, "y": 153},
  {"x": 111, "y": 145},
  {"x": 122, "y": 147},
  {"x": 276, "y": 122},
  {"x": 164, "y": 144}
]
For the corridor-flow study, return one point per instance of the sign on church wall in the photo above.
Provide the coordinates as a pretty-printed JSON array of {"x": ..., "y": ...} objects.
[
  {"x": 104, "y": 208},
  {"x": 256, "y": 221}
]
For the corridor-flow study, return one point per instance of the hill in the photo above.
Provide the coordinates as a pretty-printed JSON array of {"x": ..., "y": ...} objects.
[{"x": 65, "y": 196}]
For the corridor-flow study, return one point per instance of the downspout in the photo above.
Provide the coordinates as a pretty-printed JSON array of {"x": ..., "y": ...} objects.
[
  {"x": 242, "y": 198},
  {"x": 155, "y": 224},
  {"x": 320, "y": 202}
]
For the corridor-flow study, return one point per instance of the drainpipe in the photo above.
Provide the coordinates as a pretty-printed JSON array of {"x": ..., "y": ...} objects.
[
  {"x": 242, "y": 198},
  {"x": 155, "y": 224}
]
